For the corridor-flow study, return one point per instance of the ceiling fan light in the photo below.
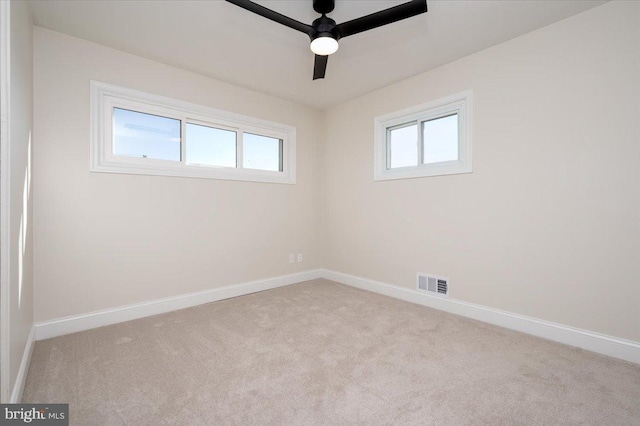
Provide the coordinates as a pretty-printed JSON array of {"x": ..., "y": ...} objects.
[{"x": 324, "y": 46}]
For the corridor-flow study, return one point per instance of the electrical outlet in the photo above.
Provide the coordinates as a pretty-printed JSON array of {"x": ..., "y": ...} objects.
[
  {"x": 299, "y": 257},
  {"x": 292, "y": 258}
]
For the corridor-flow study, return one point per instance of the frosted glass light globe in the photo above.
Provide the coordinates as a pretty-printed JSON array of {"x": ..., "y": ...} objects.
[{"x": 324, "y": 46}]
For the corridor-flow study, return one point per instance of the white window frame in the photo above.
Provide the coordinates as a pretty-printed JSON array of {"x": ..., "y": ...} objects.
[
  {"x": 105, "y": 97},
  {"x": 460, "y": 104}
]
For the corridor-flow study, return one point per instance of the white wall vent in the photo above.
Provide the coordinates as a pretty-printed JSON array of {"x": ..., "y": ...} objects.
[{"x": 433, "y": 284}]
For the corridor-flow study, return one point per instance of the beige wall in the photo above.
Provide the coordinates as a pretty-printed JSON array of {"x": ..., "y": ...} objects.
[
  {"x": 548, "y": 224},
  {"x": 20, "y": 300},
  {"x": 107, "y": 240}
]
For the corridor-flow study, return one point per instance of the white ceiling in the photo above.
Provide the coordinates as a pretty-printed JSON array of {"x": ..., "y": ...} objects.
[{"x": 223, "y": 41}]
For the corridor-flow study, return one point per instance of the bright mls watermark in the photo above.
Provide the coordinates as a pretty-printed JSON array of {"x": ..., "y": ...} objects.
[{"x": 34, "y": 414}]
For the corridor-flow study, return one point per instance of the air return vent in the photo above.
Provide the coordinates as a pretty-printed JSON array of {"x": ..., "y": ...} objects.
[{"x": 433, "y": 285}]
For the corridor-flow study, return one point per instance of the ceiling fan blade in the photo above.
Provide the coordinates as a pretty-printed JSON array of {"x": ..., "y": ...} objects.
[
  {"x": 320, "y": 66},
  {"x": 384, "y": 17},
  {"x": 272, "y": 15}
]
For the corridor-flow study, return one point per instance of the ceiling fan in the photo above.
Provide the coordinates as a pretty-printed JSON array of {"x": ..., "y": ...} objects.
[{"x": 325, "y": 33}]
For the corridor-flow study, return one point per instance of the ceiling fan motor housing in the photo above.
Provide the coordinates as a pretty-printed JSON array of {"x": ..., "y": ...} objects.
[{"x": 324, "y": 27}]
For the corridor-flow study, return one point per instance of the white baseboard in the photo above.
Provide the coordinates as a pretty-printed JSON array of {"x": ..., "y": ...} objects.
[
  {"x": 595, "y": 342},
  {"x": 21, "y": 379},
  {"x": 75, "y": 323}
]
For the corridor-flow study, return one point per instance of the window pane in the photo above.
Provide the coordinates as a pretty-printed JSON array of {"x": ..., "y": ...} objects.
[
  {"x": 403, "y": 146},
  {"x": 440, "y": 138},
  {"x": 262, "y": 152},
  {"x": 136, "y": 134},
  {"x": 210, "y": 146}
]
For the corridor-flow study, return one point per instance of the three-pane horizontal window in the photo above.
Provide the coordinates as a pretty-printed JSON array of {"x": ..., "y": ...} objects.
[
  {"x": 428, "y": 140},
  {"x": 135, "y": 132}
]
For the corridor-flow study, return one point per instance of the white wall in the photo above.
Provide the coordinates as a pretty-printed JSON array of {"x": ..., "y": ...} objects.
[
  {"x": 107, "y": 240},
  {"x": 548, "y": 224},
  {"x": 19, "y": 309}
]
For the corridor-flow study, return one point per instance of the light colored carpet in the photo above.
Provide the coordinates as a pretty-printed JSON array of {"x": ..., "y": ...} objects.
[{"x": 323, "y": 353}]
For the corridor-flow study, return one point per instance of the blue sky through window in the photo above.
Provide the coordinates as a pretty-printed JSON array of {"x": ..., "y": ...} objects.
[
  {"x": 440, "y": 138},
  {"x": 404, "y": 146},
  {"x": 210, "y": 146},
  {"x": 136, "y": 134},
  {"x": 261, "y": 152}
]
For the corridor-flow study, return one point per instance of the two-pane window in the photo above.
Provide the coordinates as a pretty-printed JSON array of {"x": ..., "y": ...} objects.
[
  {"x": 135, "y": 132},
  {"x": 423, "y": 142},
  {"x": 428, "y": 140}
]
